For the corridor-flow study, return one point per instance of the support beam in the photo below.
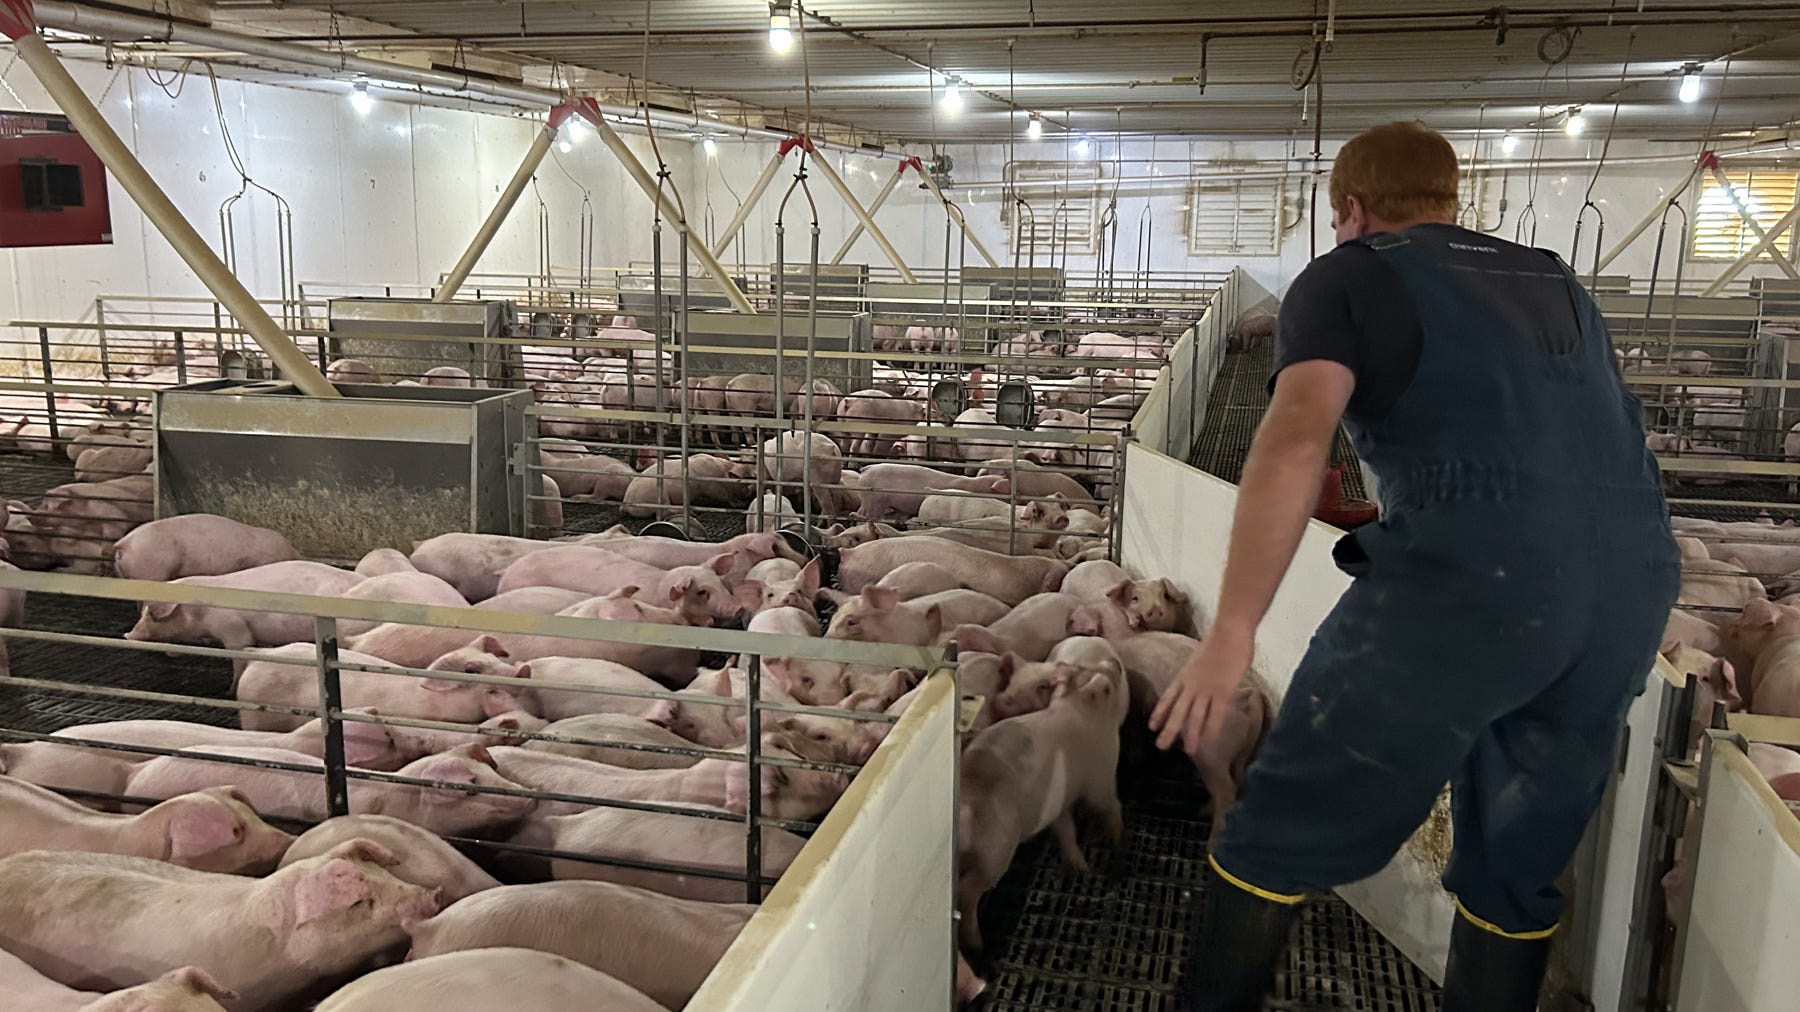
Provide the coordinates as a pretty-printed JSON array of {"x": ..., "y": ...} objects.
[
  {"x": 887, "y": 190},
  {"x": 1767, "y": 242},
  {"x": 697, "y": 245},
  {"x": 862, "y": 215},
  {"x": 1764, "y": 240},
  {"x": 1655, "y": 215},
  {"x": 157, "y": 207},
  {"x": 750, "y": 199},
  {"x": 955, "y": 214},
  {"x": 509, "y": 197}
]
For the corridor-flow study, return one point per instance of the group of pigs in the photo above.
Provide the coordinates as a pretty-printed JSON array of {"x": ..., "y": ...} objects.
[
  {"x": 74, "y": 526},
  {"x": 1058, "y": 651}
]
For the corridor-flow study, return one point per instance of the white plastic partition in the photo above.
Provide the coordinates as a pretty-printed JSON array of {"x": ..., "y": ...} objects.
[
  {"x": 1176, "y": 523},
  {"x": 861, "y": 921},
  {"x": 1739, "y": 949}
]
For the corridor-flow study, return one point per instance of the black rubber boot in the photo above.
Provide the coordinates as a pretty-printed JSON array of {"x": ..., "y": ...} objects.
[
  {"x": 1491, "y": 972},
  {"x": 1233, "y": 947}
]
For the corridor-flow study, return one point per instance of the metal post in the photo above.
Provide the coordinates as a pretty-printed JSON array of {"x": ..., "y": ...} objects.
[
  {"x": 331, "y": 701},
  {"x": 862, "y": 215},
  {"x": 757, "y": 189},
  {"x": 49, "y": 381},
  {"x": 1652, "y": 218},
  {"x": 753, "y": 783},
  {"x": 180, "y": 358},
  {"x": 956, "y": 215},
  {"x": 616, "y": 145},
  {"x": 887, "y": 190},
  {"x": 100, "y": 328},
  {"x": 162, "y": 213},
  {"x": 484, "y": 236}
]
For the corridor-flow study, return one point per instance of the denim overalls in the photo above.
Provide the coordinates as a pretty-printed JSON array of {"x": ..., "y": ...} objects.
[{"x": 1506, "y": 610}]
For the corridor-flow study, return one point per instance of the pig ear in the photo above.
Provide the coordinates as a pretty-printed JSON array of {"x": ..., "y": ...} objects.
[
  {"x": 662, "y": 713},
  {"x": 440, "y": 684},
  {"x": 490, "y": 645},
  {"x": 1759, "y": 612},
  {"x": 522, "y": 671},
  {"x": 1120, "y": 593},
  {"x": 160, "y": 611},
  {"x": 749, "y": 594},
  {"x": 198, "y": 981},
  {"x": 809, "y": 579},
  {"x": 1721, "y": 677},
  {"x": 773, "y": 778},
  {"x": 976, "y": 638},
  {"x": 475, "y": 751},
  {"x": 332, "y": 887},
  {"x": 679, "y": 589},
  {"x": 1009, "y": 665},
  {"x": 881, "y": 598},
  {"x": 365, "y": 743},
  {"x": 624, "y": 593},
  {"x": 934, "y": 618},
  {"x": 198, "y": 830},
  {"x": 1173, "y": 592},
  {"x": 1084, "y": 622},
  {"x": 720, "y": 564},
  {"x": 448, "y": 770},
  {"x": 360, "y": 849}
]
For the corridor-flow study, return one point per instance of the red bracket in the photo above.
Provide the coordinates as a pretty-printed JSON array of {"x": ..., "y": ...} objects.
[
  {"x": 798, "y": 141},
  {"x": 586, "y": 108},
  {"x": 17, "y": 19},
  {"x": 912, "y": 162},
  {"x": 1709, "y": 161}
]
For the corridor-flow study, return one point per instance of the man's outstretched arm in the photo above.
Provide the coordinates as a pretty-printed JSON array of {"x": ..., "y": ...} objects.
[{"x": 1279, "y": 491}]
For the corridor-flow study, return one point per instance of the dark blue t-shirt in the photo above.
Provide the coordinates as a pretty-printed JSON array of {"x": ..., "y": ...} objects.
[{"x": 1349, "y": 306}]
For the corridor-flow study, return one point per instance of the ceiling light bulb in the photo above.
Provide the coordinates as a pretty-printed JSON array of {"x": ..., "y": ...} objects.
[
  {"x": 781, "y": 27},
  {"x": 1575, "y": 124},
  {"x": 578, "y": 131},
  {"x": 1690, "y": 85},
  {"x": 710, "y": 146},
  {"x": 360, "y": 100},
  {"x": 1509, "y": 144},
  {"x": 1035, "y": 128},
  {"x": 1084, "y": 147},
  {"x": 953, "y": 99},
  {"x": 565, "y": 147}
]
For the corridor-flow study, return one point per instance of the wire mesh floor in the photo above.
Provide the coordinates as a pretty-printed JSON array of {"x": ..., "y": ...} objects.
[
  {"x": 1240, "y": 395},
  {"x": 1113, "y": 940}
]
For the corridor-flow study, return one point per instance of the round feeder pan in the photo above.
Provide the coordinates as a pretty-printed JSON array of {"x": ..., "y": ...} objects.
[
  {"x": 679, "y": 530},
  {"x": 1349, "y": 513}
]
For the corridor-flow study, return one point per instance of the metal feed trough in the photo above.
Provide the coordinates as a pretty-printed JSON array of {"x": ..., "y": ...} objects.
[
  {"x": 392, "y": 335},
  {"x": 727, "y": 344},
  {"x": 380, "y": 467}
]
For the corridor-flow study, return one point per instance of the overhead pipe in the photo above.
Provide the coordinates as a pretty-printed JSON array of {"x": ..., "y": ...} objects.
[
  {"x": 118, "y": 26},
  {"x": 484, "y": 236},
  {"x": 16, "y": 22},
  {"x": 589, "y": 110}
]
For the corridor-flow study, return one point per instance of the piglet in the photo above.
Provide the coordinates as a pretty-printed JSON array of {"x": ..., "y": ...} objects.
[
  {"x": 188, "y": 989},
  {"x": 211, "y": 830},
  {"x": 662, "y": 946},
  {"x": 1011, "y": 579},
  {"x": 879, "y": 615},
  {"x": 1024, "y": 775},
  {"x": 489, "y": 979},
  {"x": 683, "y": 841},
  {"x": 598, "y": 737},
  {"x": 777, "y": 588},
  {"x": 695, "y": 591},
  {"x": 100, "y": 921},
  {"x": 447, "y": 811},
  {"x": 383, "y": 562},
  {"x": 472, "y": 563},
  {"x": 167, "y": 622},
  {"x": 289, "y": 676},
  {"x": 424, "y": 859},
  {"x": 787, "y": 793},
  {"x": 917, "y": 579},
  {"x": 198, "y": 544},
  {"x": 560, "y": 704},
  {"x": 1149, "y": 604},
  {"x": 371, "y": 746},
  {"x": 401, "y": 588}
]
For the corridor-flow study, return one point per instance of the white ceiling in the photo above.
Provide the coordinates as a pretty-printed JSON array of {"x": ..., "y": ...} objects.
[{"x": 1114, "y": 66}]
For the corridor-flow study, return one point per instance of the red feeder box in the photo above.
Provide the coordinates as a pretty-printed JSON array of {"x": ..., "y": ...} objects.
[
  {"x": 1337, "y": 511},
  {"x": 52, "y": 185}
]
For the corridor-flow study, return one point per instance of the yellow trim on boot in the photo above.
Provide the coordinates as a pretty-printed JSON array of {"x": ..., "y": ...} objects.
[
  {"x": 1490, "y": 928},
  {"x": 1273, "y": 897}
]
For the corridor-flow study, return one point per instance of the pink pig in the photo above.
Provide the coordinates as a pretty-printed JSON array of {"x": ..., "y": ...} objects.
[
  {"x": 211, "y": 830},
  {"x": 196, "y": 545}
]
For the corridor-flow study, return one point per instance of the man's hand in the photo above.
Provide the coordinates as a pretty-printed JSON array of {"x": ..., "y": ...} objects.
[{"x": 1193, "y": 707}]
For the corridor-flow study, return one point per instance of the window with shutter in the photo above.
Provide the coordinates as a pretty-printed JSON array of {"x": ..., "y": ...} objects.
[
  {"x": 1767, "y": 193},
  {"x": 1236, "y": 216},
  {"x": 1062, "y": 207}
]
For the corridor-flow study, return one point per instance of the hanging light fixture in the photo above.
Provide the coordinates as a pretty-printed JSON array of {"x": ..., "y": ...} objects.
[
  {"x": 781, "y": 26},
  {"x": 710, "y": 146},
  {"x": 1575, "y": 123},
  {"x": 577, "y": 131},
  {"x": 360, "y": 99},
  {"x": 1509, "y": 144},
  {"x": 1084, "y": 147},
  {"x": 953, "y": 100},
  {"x": 1034, "y": 128},
  {"x": 1690, "y": 84}
]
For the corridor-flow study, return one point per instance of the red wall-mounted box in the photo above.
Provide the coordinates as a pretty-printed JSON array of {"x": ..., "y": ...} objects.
[{"x": 52, "y": 185}]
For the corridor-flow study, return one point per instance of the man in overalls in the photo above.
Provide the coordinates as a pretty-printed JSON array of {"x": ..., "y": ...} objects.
[{"x": 1506, "y": 608}]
